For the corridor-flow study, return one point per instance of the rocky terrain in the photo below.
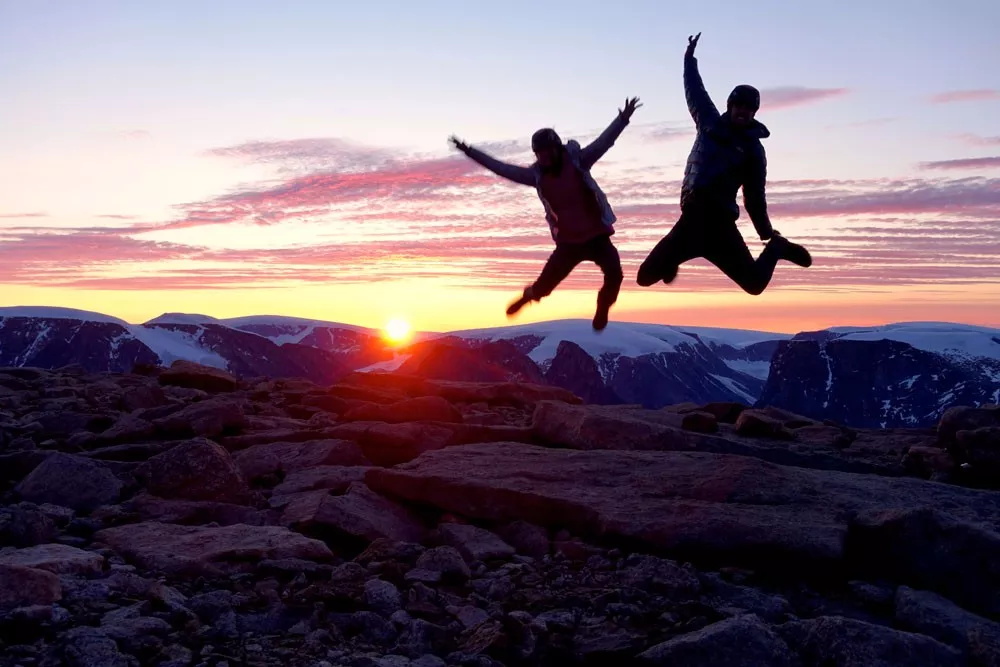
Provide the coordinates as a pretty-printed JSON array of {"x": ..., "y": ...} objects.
[{"x": 182, "y": 516}]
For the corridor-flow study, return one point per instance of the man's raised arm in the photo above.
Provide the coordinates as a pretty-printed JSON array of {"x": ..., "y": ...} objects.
[
  {"x": 699, "y": 103},
  {"x": 512, "y": 172}
]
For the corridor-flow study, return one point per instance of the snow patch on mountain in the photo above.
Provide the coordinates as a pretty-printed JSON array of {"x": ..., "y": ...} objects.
[
  {"x": 386, "y": 366},
  {"x": 57, "y": 313},
  {"x": 757, "y": 369},
  {"x": 183, "y": 318},
  {"x": 292, "y": 322},
  {"x": 170, "y": 345},
  {"x": 961, "y": 340},
  {"x": 618, "y": 338}
]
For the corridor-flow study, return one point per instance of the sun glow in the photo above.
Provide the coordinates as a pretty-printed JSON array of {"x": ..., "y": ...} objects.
[{"x": 397, "y": 331}]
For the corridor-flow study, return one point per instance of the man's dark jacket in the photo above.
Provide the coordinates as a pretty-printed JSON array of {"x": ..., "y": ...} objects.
[{"x": 724, "y": 158}]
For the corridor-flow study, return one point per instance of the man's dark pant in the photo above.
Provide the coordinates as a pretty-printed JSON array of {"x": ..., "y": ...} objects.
[
  {"x": 567, "y": 256},
  {"x": 709, "y": 232}
]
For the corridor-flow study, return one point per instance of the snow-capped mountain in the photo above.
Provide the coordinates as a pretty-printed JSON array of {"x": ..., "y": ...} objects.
[
  {"x": 895, "y": 375},
  {"x": 899, "y": 375},
  {"x": 648, "y": 364},
  {"x": 55, "y": 337}
]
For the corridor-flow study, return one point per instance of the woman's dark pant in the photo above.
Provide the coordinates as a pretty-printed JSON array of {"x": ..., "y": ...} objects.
[{"x": 567, "y": 256}]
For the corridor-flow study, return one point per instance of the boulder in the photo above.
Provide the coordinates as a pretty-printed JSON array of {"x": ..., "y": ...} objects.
[
  {"x": 634, "y": 429},
  {"x": 699, "y": 422},
  {"x": 196, "y": 470},
  {"x": 724, "y": 412},
  {"x": 334, "y": 478},
  {"x": 89, "y": 647},
  {"x": 195, "y": 512},
  {"x": 25, "y": 525},
  {"x": 927, "y": 461},
  {"x": 835, "y": 641},
  {"x": 508, "y": 393},
  {"x": 757, "y": 424},
  {"x": 210, "y": 419},
  {"x": 143, "y": 396},
  {"x": 390, "y": 444},
  {"x": 196, "y": 550},
  {"x": 196, "y": 376},
  {"x": 742, "y": 640},
  {"x": 128, "y": 428},
  {"x": 55, "y": 558},
  {"x": 929, "y": 548},
  {"x": 965, "y": 418},
  {"x": 938, "y": 617},
  {"x": 658, "y": 575},
  {"x": 71, "y": 481},
  {"x": 527, "y": 538},
  {"x": 980, "y": 449},
  {"x": 360, "y": 513},
  {"x": 693, "y": 504},
  {"x": 287, "y": 457},
  {"x": 25, "y": 586},
  {"x": 474, "y": 543},
  {"x": 424, "y": 408},
  {"x": 440, "y": 564}
]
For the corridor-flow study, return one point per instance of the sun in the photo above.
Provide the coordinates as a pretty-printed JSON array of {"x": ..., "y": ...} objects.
[{"x": 397, "y": 331}]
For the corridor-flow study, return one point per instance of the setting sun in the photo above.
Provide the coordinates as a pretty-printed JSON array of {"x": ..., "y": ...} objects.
[{"x": 397, "y": 331}]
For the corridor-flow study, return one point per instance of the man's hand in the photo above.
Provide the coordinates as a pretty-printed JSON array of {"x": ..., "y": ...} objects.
[
  {"x": 459, "y": 144},
  {"x": 692, "y": 45},
  {"x": 630, "y": 106}
]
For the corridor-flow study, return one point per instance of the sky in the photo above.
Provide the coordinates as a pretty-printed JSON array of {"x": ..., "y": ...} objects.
[{"x": 249, "y": 158}]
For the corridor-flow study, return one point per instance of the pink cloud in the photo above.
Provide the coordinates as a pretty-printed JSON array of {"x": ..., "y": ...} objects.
[
  {"x": 314, "y": 194},
  {"x": 785, "y": 97},
  {"x": 964, "y": 163},
  {"x": 447, "y": 217},
  {"x": 828, "y": 198},
  {"x": 38, "y": 258},
  {"x": 14, "y": 216},
  {"x": 982, "y": 94},
  {"x": 668, "y": 132},
  {"x": 978, "y": 140},
  {"x": 313, "y": 154}
]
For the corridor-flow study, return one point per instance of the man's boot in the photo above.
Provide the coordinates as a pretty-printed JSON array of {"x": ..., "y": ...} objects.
[{"x": 792, "y": 252}]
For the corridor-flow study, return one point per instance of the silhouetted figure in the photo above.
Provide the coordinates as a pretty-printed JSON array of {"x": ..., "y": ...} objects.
[
  {"x": 580, "y": 218},
  {"x": 727, "y": 154}
]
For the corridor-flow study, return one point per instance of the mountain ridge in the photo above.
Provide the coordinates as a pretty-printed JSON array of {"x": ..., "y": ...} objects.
[{"x": 902, "y": 374}]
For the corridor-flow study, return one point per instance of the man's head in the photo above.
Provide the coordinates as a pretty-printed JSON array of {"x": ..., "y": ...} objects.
[
  {"x": 742, "y": 104},
  {"x": 548, "y": 148}
]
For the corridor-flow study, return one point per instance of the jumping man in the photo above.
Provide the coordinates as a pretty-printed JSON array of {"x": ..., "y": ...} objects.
[
  {"x": 577, "y": 210},
  {"x": 727, "y": 154}
]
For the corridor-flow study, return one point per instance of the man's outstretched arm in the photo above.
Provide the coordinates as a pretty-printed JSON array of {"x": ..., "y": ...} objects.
[
  {"x": 596, "y": 149},
  {"x": 754, "y": 200},
  {"x": 512, "y": 172},
  {"x": 699, "y": 103}
]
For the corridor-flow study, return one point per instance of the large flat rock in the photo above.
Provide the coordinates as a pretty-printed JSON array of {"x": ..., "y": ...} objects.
[
  {"x": 196, "y": 550},
  {"x": 692, "y": 504},
  {"x": 636, "y": 429},
  {"x": 55, "y": 558}
]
